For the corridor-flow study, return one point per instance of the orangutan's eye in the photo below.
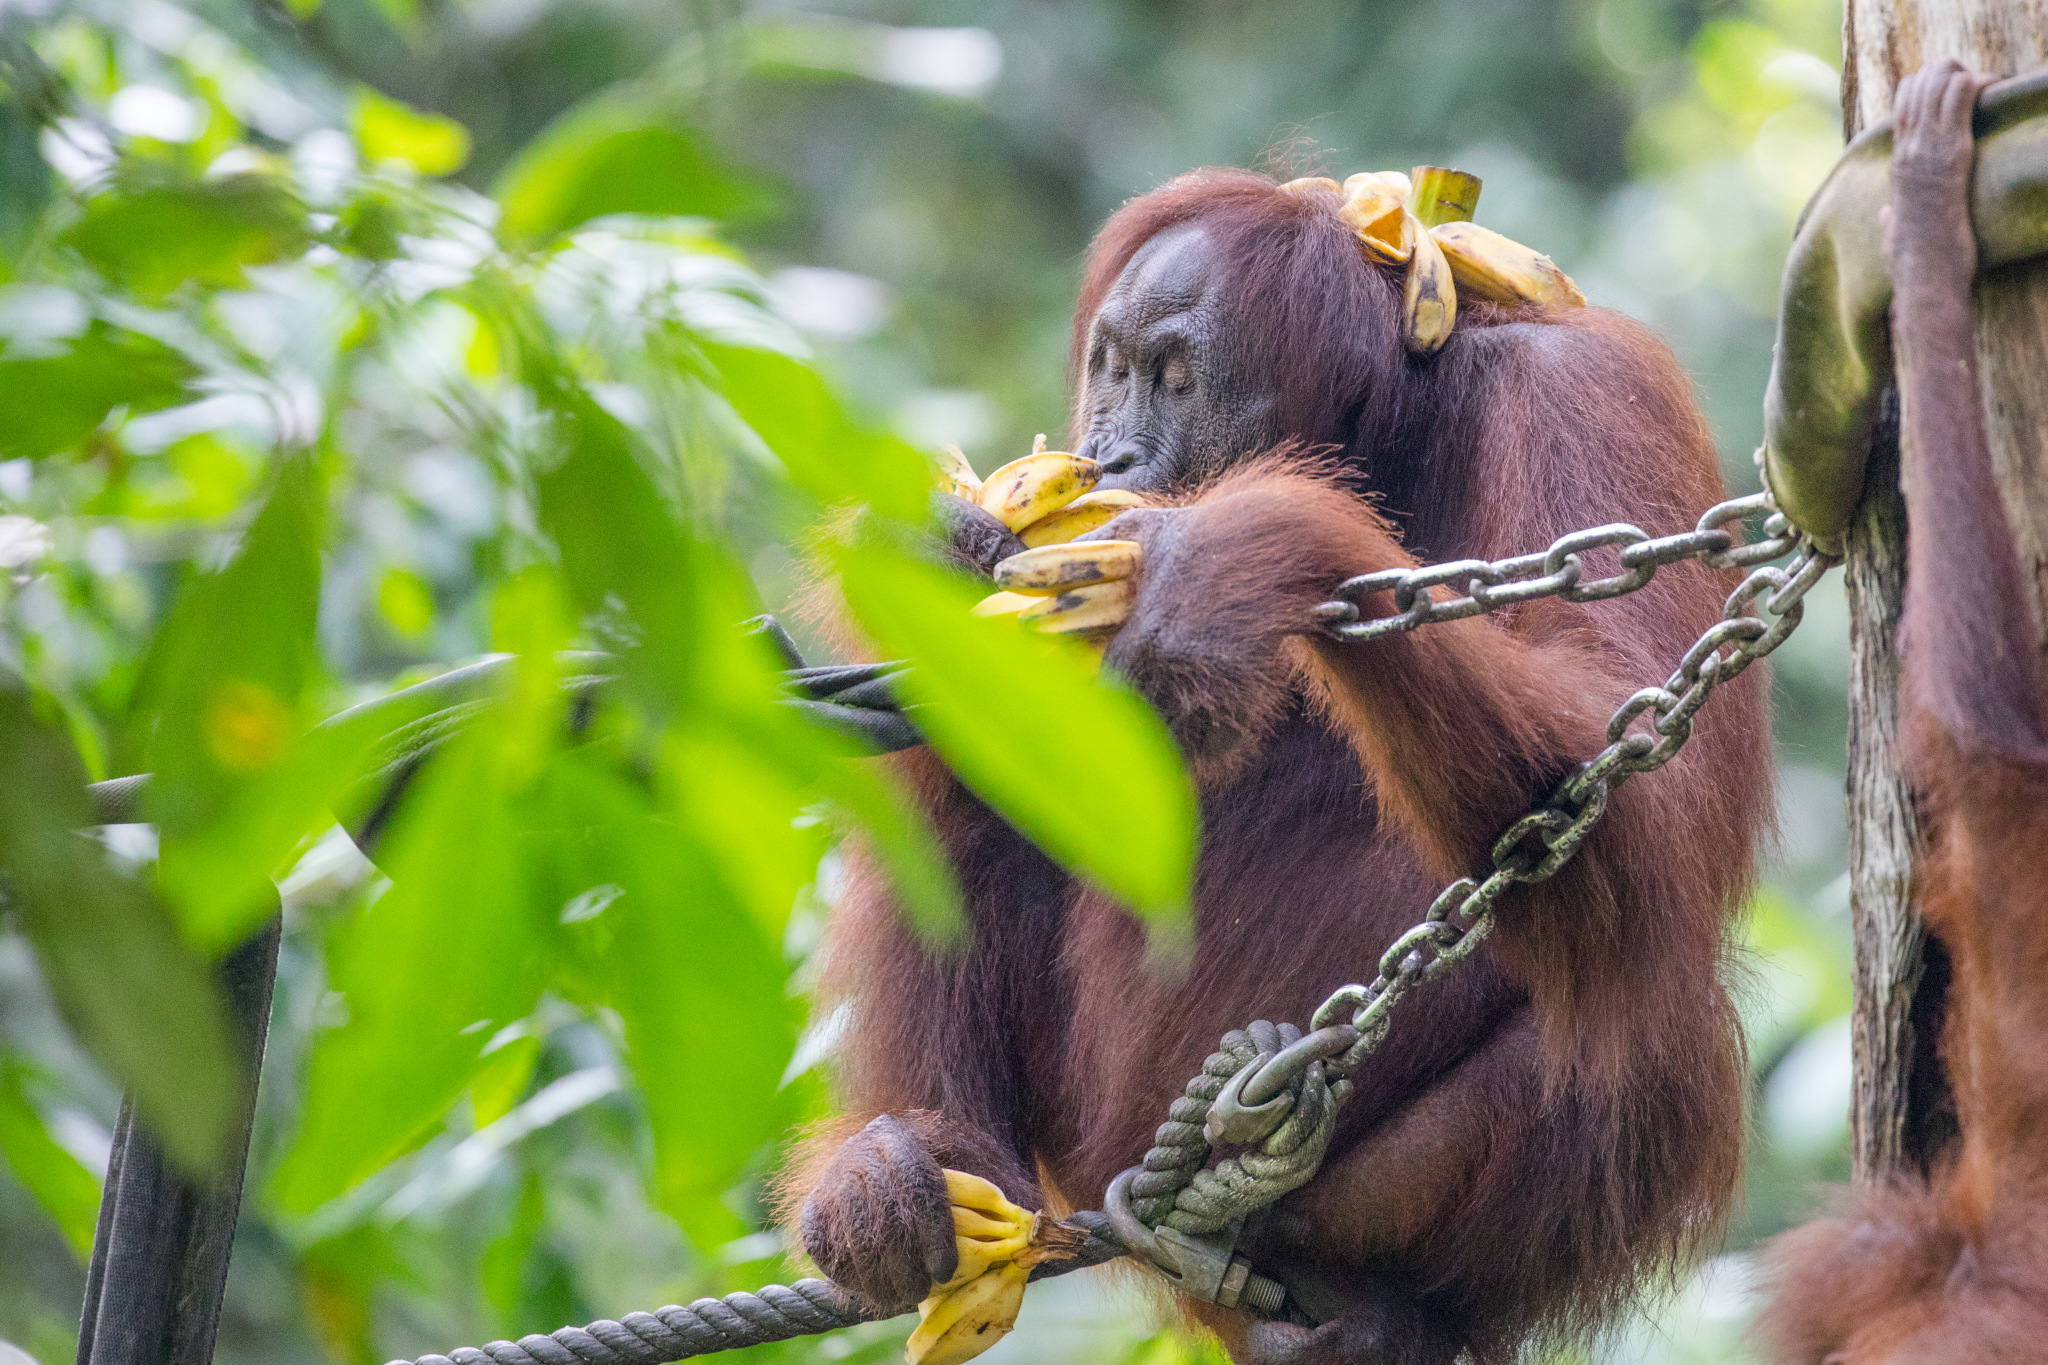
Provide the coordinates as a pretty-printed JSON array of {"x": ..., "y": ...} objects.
[{"x": 1178, "y": 374}]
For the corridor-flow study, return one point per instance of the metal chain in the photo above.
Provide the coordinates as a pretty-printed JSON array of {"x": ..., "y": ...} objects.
[
  {"x": 1228, "y": 1102},
  {"x": 1534, "y": 847},
  {"x": 1555, "y": 572}
]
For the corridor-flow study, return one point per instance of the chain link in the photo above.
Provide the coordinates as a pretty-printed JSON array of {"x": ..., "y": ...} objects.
[
  {"x": 1536, "y": 846},
  {"x": 1556, "y": 572},
  {"x": 1276, "y": 1091}
]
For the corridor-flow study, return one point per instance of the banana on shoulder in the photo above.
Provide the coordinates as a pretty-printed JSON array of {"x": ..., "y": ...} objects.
[
  {"x": 1429, "y": 298},
  {"x": 1487, "y": 265}
]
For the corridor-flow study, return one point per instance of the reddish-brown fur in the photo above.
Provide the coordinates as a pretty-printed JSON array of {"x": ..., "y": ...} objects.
[
  {"x": 1561, "y": 1117},
  {"x": 1953, "y": 1268}
]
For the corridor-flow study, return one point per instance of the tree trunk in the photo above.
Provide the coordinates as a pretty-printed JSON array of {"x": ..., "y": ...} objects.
[{"x": 1898, "y": 1120}]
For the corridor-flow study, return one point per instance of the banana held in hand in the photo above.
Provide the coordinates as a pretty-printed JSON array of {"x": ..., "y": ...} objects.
[
  {"x": 1004, "y": 604},
  {"x": 956, "y": 476},
  {"x": 1089, "y": 512},
  {"x": 962, "y": 1323},
  {"x": 1024, "y": 490},
  {"x": 1052, "y": 569},
  {"x": 998, "y": 1244},
  {"x": 1097, "y": 608},
  {"x": 1487, "y": 265},
  {"x": 988, "y": 1229}
]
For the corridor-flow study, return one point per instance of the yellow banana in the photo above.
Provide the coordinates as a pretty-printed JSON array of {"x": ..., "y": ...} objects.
[
  {"x": 962, "y": 1323},
  {"x": 1051, "y": 569},
  {"x": 981, "y": 1227},
  {"x": 1083, "y": 611},
  {"x": 1024, "y": 490},
  {"x": 1308, "y": 183},
  {"x": 1372, "y": 209},
  {"x": 955, "y": 474},
  {"x": 1487, "y": 265},
  {"x": 1089, "y": 512},
  {"x": 998, "y": 1244},
  {"x": 1429, "y": 300},
  {"x": 970, "y": 1191},
  {"x": 1004, "y": 604}
]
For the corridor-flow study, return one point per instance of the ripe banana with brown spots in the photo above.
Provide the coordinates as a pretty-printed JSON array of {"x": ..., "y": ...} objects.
[
  {"x": 1049, "y": 498},
  {"x": 1052, "y": 569},
  {"x": 1024, "y": 490},
  {"x": 1089, "y": 512},
  {"x": 1372, "y": 209},
  {"x": 1487, "y": 265},
  {"x": 1092, "y": 610},
  {"x": 998, "y": 1243},
  {"x": 1004, "y": 604},
  {"x": 1429, "y": 298}
]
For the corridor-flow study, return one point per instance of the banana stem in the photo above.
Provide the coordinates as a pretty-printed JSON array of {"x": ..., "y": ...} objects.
[{"x": 1442, "y": 195}]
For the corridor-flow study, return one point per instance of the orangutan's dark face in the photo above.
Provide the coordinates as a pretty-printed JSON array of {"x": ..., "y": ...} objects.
[{"x": 1173, "y": 391}]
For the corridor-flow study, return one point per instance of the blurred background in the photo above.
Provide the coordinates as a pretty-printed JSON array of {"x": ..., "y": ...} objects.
[{"x": 904, "y": 192}]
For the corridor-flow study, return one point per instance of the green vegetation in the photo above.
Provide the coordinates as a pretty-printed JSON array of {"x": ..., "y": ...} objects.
[{"x": 341, "y": 344}]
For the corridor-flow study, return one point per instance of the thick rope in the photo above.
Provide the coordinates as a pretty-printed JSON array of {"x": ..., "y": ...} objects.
[
  {"x": 1177, "y": 1188},
  {"x": 774, "y": 1312}
]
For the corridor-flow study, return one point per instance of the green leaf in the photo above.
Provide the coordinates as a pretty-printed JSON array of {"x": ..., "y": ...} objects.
[
  {"x": 703, "y": 992},
  {"x": 53, "y": 402},
  {"x": 743, "y": 807},
  {"x": 621, "y": 545},
  {"x": 220, "y": 715},
  {"x": 405, "y": 600},
  {"x": 391, "y": 130},
  {"x": 616, "y": 154},
  {"x": 741, "y": 802},
  {"x": 505, "y": 1075},
  {"x": 448, "y": 956},
  {"x": 154, "y": 237},
  {"x": 1078, "y": 763},
  {"x": 142, "y": 1001},
  {"x": 827, "y": 454},
  {"x": 871, "y": 796},
  {"x": 67, "y": 1191}
]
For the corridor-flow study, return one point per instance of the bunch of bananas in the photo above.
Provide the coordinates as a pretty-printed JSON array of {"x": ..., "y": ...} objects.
[
  {"x": 1048, "y": 498},
  {"x": 1424, "y": 224},
  {"x": 998, "y": 1244}
]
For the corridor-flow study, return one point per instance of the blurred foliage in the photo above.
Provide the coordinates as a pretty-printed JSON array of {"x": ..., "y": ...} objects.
[{"x": 342, "y": 343}]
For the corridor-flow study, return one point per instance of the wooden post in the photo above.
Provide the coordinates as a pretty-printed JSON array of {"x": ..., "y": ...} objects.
[{"x": 1892, "y": 1124}]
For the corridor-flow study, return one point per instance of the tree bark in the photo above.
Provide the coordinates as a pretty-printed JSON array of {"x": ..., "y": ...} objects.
[{"x": 1898, "y": 1121}]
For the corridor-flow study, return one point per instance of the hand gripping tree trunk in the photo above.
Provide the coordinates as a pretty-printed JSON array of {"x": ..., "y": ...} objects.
[{"x": 1900, "y": 1117}]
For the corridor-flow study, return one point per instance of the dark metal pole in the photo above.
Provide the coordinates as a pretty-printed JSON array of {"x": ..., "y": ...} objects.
[{"x": 160, "y": 1255}]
